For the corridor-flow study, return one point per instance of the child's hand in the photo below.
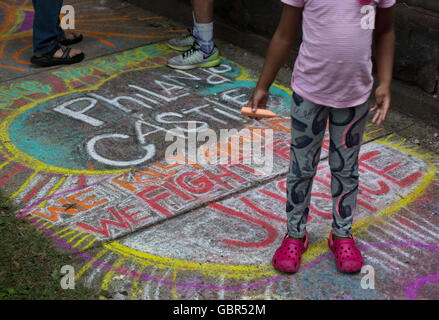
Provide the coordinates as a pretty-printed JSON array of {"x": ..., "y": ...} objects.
[
  {"x": 258, "y": 100},
  {"x": 382, "y": 104}
]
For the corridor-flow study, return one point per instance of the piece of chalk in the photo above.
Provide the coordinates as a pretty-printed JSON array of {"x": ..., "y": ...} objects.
[{"x": 260, "y": 113}]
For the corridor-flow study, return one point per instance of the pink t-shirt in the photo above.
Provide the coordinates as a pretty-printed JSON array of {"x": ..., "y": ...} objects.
[{"x": 334, "y": 66}]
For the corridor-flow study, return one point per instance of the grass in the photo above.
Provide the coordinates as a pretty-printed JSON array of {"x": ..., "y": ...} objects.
[{"x": 30, "y": 267}]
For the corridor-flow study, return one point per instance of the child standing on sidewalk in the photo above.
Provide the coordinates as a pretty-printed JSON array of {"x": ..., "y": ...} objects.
[{"x": 332, "y": 78}]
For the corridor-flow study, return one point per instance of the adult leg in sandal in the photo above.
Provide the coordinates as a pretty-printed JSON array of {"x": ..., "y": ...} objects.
[
  {"x": 66, "y": 37},
  {"x": 46, "y": 33},
  {"x": 69, "y": 38}
]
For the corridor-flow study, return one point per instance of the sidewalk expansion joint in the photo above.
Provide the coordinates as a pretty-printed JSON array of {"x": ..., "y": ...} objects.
[{"x": 226, "y": 196}]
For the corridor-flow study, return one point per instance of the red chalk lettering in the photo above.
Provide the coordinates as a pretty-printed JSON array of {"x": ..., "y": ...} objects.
[
  {"x": 178, "y": 192},
  {"x": 130, "y": 216},
  {"x": 227, "y": 173},
  {"x": 152, "y": 202},
  {"x": 271, "y": 231},
  {"x": 120, "y": 223},
  {"x": 281, "y": 148},
  {"x": 198, "y": 184}
]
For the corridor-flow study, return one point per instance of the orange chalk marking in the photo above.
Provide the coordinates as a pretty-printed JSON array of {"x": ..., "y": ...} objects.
[{"x": 3, "y": 66}]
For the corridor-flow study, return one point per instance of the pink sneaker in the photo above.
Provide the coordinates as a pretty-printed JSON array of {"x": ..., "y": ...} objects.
[
  {"x": 347, "y": 256},
  {"x": 288, "y": 256}
]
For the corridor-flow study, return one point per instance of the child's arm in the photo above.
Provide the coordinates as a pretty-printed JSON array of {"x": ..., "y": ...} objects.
[
  {"x": 278, "y": 51},
  {"x": 384, "y": 48}
]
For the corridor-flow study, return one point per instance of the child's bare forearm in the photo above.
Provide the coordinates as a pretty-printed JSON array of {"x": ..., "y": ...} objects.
[
  {"x": 385, "y": 49},
  {"x": 385, "y": 45}
]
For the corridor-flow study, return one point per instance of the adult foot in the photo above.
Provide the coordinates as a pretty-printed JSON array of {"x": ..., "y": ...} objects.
[
  {"x": 195, "y": 58},
  {"x": 183, "y": 43},
  {"x": 70, "y": 38},
  {"x": 59, "y": 55}
]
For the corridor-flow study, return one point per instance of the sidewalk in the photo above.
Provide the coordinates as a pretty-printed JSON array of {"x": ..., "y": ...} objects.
[{"x": 82, "y": 156}]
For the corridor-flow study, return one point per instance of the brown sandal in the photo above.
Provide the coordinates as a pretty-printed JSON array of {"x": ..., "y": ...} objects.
[{"x": 68, "y": 42}]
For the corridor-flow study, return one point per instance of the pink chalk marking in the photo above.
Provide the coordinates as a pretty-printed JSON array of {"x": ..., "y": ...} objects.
[
  {"x": 227, "y": 173},
  {"x": 403, "y": 183},
  {"x": 82, "y": 181},
  {"x": 407, "y": 223},
  {"x": 274, "y": 196},
  {"x": 58, "y": 85},
  {"x": 36, "y": 189},
  {"x": 124, "y": 221},
  {"x": 265, "y": 213},
  {"x": 199, "y": 184},
  {"x": 152, "y": 202},
  {"x": 384, "y": 189},
  {"x": 315, "y": 210},
  {"x": 177, "y": 191},
  {"x": 105, "y": 223}
]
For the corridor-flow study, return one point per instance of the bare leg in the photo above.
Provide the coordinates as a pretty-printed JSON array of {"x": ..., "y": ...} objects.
[
  {"x": 202, "y": 52},
  {"x": 203, "y": 10}
]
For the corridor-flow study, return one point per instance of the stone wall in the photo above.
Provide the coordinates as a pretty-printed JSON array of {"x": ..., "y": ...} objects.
[
  {"x": 417, "y": 50},
  {"x": 416, "y": 23}
]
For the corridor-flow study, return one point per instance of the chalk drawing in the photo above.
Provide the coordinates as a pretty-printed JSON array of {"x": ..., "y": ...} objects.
[
  {"x": 107, "y": 24},
  {"x": 74, "y": 159}
]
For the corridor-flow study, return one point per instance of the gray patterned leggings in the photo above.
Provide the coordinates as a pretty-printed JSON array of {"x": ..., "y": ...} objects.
[{"x": 308, "y": 124}]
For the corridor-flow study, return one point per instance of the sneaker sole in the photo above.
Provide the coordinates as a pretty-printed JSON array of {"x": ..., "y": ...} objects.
[
  {"x": 198, "y": 65},
  {"x": 179, "y": 48}
]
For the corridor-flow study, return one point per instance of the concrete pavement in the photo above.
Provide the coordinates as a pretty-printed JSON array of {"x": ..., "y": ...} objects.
[{"x": 82, "y": 155}]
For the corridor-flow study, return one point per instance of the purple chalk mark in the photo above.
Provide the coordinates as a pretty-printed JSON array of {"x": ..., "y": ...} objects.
[
  {"x": 28, "y": 22},
  {"x": 413, "y": 288},
  {"x": 32, "y": 205},
  {"x": 132, "y": 273},
  {"x": 399, "y": 244}
]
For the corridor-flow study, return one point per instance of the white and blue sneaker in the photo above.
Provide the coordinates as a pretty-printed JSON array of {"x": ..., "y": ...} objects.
[
  {"x": 183, "y": 43},
  {"x": 195, "y": 58}
]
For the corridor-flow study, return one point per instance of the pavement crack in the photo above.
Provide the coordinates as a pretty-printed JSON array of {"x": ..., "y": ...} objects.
[
  {"x": 252, "y": 185},
  {"x": 223, "y": 197}
]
